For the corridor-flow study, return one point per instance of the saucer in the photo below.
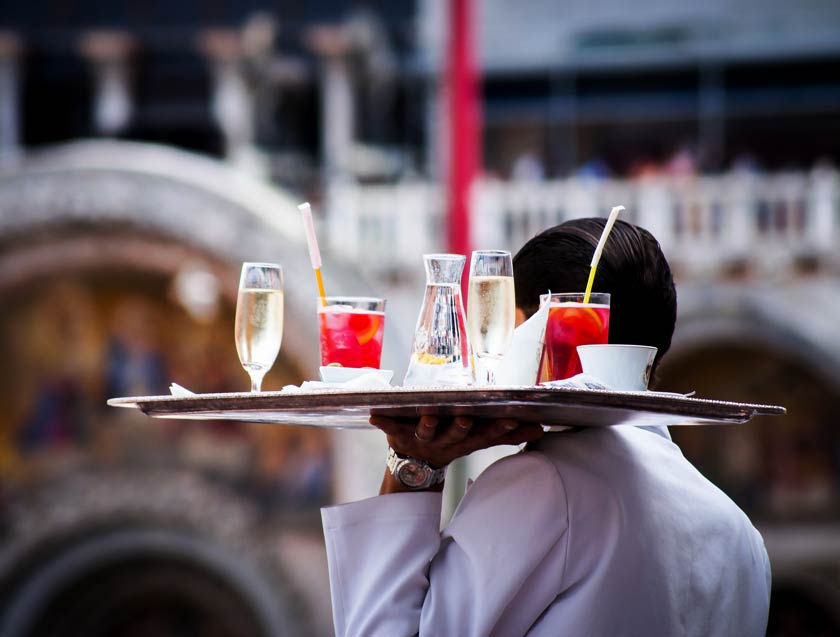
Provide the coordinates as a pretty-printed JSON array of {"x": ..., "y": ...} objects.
[{"x": 333, "y": 374}]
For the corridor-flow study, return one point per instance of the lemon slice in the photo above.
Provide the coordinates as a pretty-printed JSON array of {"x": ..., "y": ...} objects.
[
  {"x": 370, "y": 332},
  {"x": 431, "y": 359},
  {"x": 596, "y": 316}
]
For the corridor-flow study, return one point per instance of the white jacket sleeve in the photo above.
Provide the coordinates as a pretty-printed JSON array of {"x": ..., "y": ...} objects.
[{"x": 494, "y": 569}]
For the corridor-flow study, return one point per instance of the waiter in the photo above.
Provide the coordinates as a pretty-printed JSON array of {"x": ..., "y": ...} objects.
[{"x": 599, "y": 532}]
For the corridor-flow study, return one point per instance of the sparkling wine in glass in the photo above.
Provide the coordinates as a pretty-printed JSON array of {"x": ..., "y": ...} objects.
[
  {"x": 259, "y": 319},
  {"x": 491, "y": 310}
]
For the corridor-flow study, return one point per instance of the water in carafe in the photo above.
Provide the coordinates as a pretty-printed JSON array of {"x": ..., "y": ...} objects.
[{"x": 441, "y": 351}]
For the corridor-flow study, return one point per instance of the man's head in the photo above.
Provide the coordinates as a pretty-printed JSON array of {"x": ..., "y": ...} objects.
[{"x": 643, "y": 299}]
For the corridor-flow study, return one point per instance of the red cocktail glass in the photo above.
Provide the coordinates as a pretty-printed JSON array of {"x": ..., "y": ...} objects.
[
  {"x": 571, "y": 322},
  {"x": 351, "y": 329}
]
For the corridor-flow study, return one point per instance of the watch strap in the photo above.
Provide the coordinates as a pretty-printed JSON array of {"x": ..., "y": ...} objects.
[{"x": 395, "y": 461}]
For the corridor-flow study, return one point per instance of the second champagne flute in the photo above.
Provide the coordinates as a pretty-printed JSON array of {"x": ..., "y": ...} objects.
[
  {"x": 491, "y": 310},
  {"x": 259, "y": 319}
]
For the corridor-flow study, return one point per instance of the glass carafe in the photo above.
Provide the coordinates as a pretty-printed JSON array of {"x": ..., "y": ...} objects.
[{"x": 441, "y": 353}]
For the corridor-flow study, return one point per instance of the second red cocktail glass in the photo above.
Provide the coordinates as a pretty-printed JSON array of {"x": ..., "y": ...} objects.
[
  {"x": 351, "y": 329},
  {"x": 571, "y": 322}
]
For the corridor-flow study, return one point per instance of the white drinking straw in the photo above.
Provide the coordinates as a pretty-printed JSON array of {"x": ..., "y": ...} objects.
[
  {"x": 596, "y": 257},
  {"x": 312, "y": 242}
]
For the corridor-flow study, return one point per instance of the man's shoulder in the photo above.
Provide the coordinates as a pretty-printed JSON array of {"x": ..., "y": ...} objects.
[
  {"x": 644, "y": 473},
  {"x": 515, "y": 484},
  {"x": 525, "y": 471},
  {"x": 520, "y": 496}
]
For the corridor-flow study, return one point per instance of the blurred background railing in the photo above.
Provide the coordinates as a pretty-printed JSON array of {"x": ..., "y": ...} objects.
[{"x": 707, "y": 225}]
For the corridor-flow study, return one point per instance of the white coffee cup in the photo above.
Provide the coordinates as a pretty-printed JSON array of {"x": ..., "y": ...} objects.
[{"x": 620, "y": 367}]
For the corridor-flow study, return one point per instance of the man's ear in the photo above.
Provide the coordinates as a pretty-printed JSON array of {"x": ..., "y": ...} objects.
[{"x": 520, "y": 317}]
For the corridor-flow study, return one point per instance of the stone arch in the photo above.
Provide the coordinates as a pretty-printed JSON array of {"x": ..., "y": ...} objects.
[
  {"x": 796, "y": 320},
  {"x": 756, "y": 342},
  {"x": 764, "y": 345},
  {"x": 153, "y": 207},
  {"x": 146, "y": 211}
]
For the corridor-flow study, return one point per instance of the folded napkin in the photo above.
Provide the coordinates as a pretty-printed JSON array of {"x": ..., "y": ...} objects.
[
  {"x": 365, "y": 381},
  {"x": 177, "y": 390},
  {"x": 581, "y": 381},
  {"x": 587, "y": 381},
  {"x": 522, "y": 360}
]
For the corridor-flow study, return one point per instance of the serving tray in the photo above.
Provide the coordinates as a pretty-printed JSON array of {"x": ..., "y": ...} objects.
[{"x": 350, "y": 409}]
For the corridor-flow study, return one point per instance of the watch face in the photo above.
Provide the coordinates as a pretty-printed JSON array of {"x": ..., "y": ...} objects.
[{"x": 412, "y": 474}]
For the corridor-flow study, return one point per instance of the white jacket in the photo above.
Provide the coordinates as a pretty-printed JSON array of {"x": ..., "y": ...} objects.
[{"x": 601, "y": 532}]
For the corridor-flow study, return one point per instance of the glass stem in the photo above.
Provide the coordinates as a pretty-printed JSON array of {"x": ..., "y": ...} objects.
[{"x": 256, "y": 382}]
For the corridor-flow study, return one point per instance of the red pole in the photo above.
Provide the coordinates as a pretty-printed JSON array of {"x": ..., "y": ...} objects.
[{"x": 464, "y": 124}]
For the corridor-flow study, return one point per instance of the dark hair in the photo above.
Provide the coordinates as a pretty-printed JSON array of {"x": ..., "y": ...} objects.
[{"x": 633, "y": 269}]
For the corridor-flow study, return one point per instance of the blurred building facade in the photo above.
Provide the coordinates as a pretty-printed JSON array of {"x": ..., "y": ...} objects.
[
  {"x": 118, "y": 275},
  {"x": 717, "y": 125},
  {"x": 352, "y": 87}
]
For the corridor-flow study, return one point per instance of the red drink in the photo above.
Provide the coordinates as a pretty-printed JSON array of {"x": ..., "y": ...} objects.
[
  {"x": 568, "y": 326},
  {"x": 351, "y": 337}
]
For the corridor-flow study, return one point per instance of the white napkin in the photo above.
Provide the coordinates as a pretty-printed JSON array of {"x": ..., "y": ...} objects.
[
  {"x": 177, "y": 390},
  {"x": 365, "y": 381},
  {"x": 580, "y": 381},
  {"x": 587, "y": 381},
  {"x": 522, "y": 361}
]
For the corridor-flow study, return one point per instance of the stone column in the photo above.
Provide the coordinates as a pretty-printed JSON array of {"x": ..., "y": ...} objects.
[
  {"x": 109, "y": 52},
  {"x": 10, "y": 124},
  {"x": 437, "y": 133},
  {"x": 232, "y": 100},
  {"x": 333, "y": 44}
]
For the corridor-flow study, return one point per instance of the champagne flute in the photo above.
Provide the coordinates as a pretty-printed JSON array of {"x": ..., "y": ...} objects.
[
  {"x": 491, "y": 309},
  {"x": 259, "y": 319}
]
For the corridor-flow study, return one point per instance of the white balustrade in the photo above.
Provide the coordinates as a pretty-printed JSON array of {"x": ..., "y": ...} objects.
[
  {"x": 823, "y": 203},
  {"x": 704, "y": 223}
]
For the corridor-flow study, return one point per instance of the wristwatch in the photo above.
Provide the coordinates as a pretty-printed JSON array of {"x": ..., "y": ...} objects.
[{"x": 412, "y": 472}]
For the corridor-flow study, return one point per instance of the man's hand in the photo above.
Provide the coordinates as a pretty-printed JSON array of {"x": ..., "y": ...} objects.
[{"x": 439, "y": 443}]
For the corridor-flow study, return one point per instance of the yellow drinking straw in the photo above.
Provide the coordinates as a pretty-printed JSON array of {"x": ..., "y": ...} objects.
[
  {"x": 314, "y": 252},
  {"x": 599, "y": 249}
]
